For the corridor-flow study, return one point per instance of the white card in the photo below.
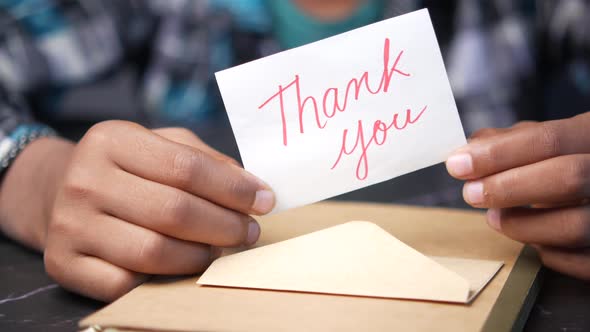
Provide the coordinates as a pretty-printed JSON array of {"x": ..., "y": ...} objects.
[{"x": 345, "y": 112}]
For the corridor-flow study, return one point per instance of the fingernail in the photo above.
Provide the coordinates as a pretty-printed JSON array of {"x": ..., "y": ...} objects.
[
  {"x": 264, "y": 201},
  {"x": 473, "y": 192},
  {"x": 253, "y": 232},
  {"x": 493, "y": 217},
  {"x": 460, "y": 164}
]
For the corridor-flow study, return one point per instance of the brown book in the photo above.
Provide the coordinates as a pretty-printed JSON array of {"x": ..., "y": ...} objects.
[{"x": 179, "y": 304}]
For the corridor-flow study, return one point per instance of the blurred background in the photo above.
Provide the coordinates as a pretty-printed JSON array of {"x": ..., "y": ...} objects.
[{"x": 71, "y": 63}]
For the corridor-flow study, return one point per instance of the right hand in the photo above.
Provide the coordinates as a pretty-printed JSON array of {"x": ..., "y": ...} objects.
[{"x": 135, "y": 202}]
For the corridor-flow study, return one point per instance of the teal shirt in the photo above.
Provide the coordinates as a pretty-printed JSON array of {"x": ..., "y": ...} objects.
[{"x": 293, "y": 27}]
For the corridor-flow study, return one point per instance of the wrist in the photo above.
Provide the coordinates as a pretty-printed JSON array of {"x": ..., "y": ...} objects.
[{"x": 29, "y": 187}]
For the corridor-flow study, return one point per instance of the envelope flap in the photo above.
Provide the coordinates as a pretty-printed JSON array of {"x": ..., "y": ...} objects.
[{"x": 356, "y": 258}]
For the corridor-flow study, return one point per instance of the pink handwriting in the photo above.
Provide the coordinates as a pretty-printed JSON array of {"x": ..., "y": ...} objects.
[
  {"x": 362, "y": 167},
  {"x": 331, "y": 105}
]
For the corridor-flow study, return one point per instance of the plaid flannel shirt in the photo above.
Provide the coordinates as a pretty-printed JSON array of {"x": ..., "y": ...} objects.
[{"x": 53, "y": 49}]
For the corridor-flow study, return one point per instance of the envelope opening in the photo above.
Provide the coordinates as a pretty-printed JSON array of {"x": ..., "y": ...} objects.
[{"x": 358, "y": 259}]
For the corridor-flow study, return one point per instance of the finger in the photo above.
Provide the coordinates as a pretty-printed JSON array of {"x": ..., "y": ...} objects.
[
  {"x": 91, "y": 276},
  {"x": 566, "y": 227},
  {"x": 576, "y": 202},
  {"x": 490, "y": 132},
  {"x": 100, "y": 280},
  {"x": 561, "y": 179},
  {"x": 141, "y": 250},
  {"x": 524, "y": 124},
  {"x": 176, "y": 213},
  {"x": 486, "y": 132},
  {"x": 187, "y": 137},
  {"x": 515, "y": 148},
  {"x": 140, "y": 152},
  {"x": 575, "y": 263}
]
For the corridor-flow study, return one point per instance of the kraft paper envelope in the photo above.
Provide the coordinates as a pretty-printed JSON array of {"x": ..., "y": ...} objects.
[{"x": 356, "y": 258}]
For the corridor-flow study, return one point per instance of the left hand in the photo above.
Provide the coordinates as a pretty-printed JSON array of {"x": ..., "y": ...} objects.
[{"x": 535, "y": 180}]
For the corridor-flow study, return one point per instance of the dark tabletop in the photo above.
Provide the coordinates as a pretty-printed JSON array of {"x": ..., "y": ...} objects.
[{"x": 31, "y": 301}]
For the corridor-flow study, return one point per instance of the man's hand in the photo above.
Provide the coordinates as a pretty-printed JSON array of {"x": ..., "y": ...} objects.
[
  {"x": 535, "y": 180},
  {"x": 134, "y": 202}
]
